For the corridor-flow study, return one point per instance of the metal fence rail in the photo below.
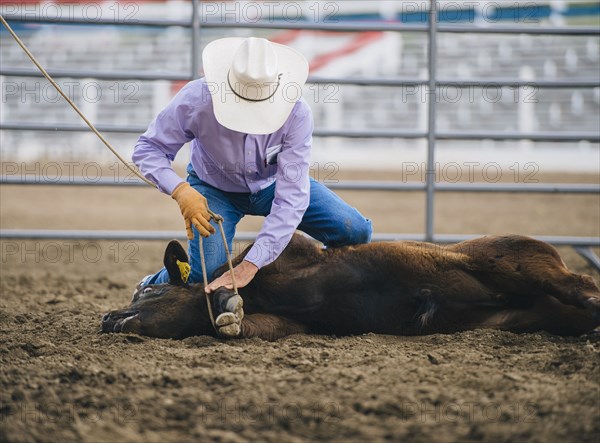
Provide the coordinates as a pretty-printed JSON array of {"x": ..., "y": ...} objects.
[
  {"x": 362, "y": 81},
  {"x": 346, "y": 185},
  {"x": 310, "y": 26},
  {"x": 56, "y": 234},
  {"x": 431, "y": 187},
  {"x": 540, "y": 136}
]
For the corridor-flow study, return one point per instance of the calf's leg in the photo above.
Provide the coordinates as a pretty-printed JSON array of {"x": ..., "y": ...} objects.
[
  {"x": 572, "y": 289},
  {"x": 546, "y": 314},
  {"x": 528, "y": 267},
  {"x": 270, "y": 327}
]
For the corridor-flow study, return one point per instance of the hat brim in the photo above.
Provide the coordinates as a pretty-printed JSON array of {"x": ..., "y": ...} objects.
[{"x": 250, "y": 117}]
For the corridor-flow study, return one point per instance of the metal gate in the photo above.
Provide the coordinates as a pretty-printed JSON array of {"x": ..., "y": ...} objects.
[{"x": 583, "y": 245}]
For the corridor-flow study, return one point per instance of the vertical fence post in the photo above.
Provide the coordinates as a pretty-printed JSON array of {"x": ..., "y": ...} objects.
[
  {"x": 195, "y": 39},
  {"x": 432, "y": 98}
]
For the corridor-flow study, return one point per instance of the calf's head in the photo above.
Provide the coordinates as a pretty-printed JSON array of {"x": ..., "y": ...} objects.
[{"x": 169, "y": 310}]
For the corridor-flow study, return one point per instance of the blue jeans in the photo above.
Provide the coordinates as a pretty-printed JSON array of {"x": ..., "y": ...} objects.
[{"x": 328, "y": 219}]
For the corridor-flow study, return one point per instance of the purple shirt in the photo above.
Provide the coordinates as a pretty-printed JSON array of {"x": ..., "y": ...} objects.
[{"x": 233, "y": 161}]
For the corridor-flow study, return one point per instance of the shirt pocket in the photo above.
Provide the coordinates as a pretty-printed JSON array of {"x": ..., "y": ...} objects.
[{"x": 271, "y": 154}]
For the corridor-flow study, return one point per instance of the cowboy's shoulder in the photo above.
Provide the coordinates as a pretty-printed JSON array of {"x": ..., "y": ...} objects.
[
  {"x": 302, "y": 109},
  {"x": 195, "y": 91}
]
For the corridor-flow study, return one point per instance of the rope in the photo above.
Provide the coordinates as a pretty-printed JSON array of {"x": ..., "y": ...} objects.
[
  {"x": 219, "y": 221},
  {"x": 216, "y": 217},
  {"x": 206, "y": 296},
  {"x": 73, "y": 105}
]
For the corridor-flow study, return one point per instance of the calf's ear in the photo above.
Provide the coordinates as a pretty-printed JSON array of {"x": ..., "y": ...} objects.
[{"x": 177, "y": 264}]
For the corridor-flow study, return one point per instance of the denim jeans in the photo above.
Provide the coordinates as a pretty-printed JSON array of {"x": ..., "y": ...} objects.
[{"x": 328, "y": 219}]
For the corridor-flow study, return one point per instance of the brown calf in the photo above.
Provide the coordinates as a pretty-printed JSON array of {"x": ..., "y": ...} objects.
[{"x": 512, "y": 283}]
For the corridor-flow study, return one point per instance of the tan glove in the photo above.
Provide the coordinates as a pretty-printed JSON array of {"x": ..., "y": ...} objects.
[{"x": 194, "y": 209}]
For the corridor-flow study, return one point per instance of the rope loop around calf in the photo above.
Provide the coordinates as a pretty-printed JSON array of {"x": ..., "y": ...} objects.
[{"x": 219, "y": 219}]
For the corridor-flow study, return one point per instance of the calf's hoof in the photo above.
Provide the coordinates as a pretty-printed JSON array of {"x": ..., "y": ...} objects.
[
  {"x": 229, "y": 323},
  {"x": 593, "y": 305}
]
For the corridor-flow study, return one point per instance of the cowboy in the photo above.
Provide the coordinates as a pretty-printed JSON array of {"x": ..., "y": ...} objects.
[{"x": 251, "y": 138}]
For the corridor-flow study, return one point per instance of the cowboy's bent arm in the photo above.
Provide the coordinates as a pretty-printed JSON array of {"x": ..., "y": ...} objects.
[
  {"x": 292, "y": 195},
  {"x": 292, "y": 191},
  {"x": 157, "y": 147}
]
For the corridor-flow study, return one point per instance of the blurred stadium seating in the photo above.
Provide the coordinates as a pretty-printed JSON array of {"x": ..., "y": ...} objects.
[{"x": 385, "y": 54}]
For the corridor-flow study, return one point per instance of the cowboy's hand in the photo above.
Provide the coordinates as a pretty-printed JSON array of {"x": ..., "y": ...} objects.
[
  {"x": 244, "y": 273},
  {"x": 194, "y": 209}
]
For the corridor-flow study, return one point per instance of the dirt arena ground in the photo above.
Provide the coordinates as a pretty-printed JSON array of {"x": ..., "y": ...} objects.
[{"x": 61, "y": 379}]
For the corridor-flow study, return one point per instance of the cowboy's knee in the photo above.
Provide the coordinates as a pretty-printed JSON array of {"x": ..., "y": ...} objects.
[
  {"x": 362, "y": 231},
  {"x": 354, "y": 231}
]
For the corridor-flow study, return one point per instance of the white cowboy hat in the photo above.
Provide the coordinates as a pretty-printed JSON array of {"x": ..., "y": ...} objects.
[{"x": 254, "y": 83}]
